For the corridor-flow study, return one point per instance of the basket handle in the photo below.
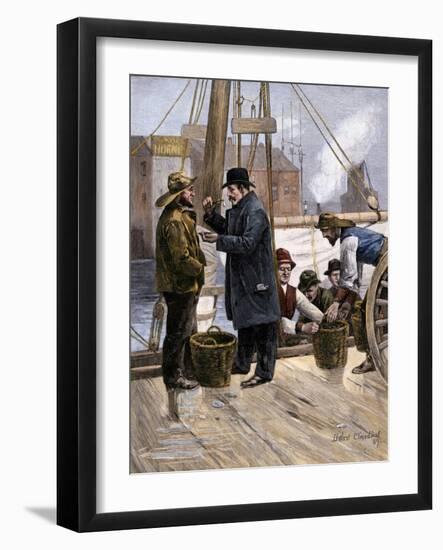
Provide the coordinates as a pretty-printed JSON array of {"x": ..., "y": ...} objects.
[{"x": 213, "y": 327}]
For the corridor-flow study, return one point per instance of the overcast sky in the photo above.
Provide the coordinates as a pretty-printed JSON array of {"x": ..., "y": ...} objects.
[{"x": 357, "y": 116}]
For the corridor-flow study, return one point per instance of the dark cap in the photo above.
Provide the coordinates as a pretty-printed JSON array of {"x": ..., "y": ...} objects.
[
  {"x": 307, "y": 279},
  {"x": 327, "y": 220},
  {"x": 333, "y": 265}
]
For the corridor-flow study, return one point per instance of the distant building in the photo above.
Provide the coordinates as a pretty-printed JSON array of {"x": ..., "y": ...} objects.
[
  {"x": 161, "y": 155},
  {"x": 352, "y": 200},
  {"x": 141, "y": 199},
  {"x": 149, "y": 170},
  {"x": 285, "y": 175}
]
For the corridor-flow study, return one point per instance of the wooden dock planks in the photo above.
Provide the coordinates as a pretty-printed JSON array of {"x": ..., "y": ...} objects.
[{"x": 304, "y": 416}]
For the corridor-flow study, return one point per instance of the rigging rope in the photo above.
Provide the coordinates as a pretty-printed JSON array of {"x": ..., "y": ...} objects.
[
  {"x": 243, "y": 98},
  {"x": 194, "y": 96},
  {"x": 145, "y": 140},
  {"x": 239, "y": 104},
  {"x": 330, "y": 131},
  {"x": 201, "y": 101},
  {"x": 196, "y": 108},
  {"x": 351, "y": 176},
  {"x": 357, "y": 172},
  {"x": 314, "y": 251},
  {"x": 254, "y": 142},
  {"x": 139, "y": 338}
]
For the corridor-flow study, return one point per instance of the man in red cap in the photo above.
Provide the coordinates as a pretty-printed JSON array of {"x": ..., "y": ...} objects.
[{"x": 292, "y": 300}]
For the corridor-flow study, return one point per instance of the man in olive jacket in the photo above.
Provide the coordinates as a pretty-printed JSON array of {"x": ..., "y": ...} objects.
[
  {"x": 250, "y": 288},
  {"x": 179, "y": 276},
  {"x": 321, "y": 298}
]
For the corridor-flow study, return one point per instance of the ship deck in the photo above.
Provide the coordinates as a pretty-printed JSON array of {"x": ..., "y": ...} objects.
[{"x": 306, "y": 415}]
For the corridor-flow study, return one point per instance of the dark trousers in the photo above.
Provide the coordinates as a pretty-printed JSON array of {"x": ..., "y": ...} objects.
[
  {"x": 181, "y": 323},
  {"x": 263, "y": 340}
]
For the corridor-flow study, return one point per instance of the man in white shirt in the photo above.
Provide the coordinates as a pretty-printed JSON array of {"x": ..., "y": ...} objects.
[
  {"x": 293, "y": 301},
  {"x": 358, "y": 246}
]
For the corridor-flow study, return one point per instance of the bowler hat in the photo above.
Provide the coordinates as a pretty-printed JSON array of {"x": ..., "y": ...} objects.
[
  {"x": 284, "y": 257},
  {"x": 177, "y": 182},
  {"x": 327, "y": 220},
  {"x": 237, "y": 175},
  {"x": 333, "y": 265},
  {"x": 307, "y": 279}
]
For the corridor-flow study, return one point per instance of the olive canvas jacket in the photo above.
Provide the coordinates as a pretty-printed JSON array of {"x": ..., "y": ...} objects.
[
  {"x": 251, "y": 296},
  {"x": 179, "y": 259},
  {"x": 322, "y": 301}
]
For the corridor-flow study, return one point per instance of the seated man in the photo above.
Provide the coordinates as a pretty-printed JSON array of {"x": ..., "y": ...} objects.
[
  {"x": 333, "y": 274},
  {"x": 292, "y": 301},
  {"x": 319, "y": 297}
]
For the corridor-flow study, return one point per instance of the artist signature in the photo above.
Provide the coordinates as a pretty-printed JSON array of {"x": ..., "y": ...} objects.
[{"x": 343, "y": 436}]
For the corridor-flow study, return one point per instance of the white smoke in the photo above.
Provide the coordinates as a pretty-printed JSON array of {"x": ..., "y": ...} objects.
[{"x": 356, "y": 135}]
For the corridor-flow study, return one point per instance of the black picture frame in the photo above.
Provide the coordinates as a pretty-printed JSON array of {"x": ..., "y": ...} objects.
[{"x": 76, "y": 293}]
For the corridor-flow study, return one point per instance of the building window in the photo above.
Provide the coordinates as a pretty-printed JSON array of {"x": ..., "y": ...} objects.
[
  {"x": 274, "y": 192},
  {"x": 286, "y": 190},
  {"x": 143, "y": 168}
]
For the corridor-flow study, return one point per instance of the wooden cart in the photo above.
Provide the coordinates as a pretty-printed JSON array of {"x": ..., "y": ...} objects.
[{"x": 377, "y": 317}]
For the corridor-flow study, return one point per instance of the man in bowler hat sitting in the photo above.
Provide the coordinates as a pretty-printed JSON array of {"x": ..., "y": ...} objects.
[
  {"x": 333, "y": 274},
  {"x": 250, "y": 287}
]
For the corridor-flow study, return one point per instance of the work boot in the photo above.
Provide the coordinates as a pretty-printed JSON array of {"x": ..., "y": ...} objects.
[
  {"x": 182, "y": 383},
  {"x": 366, "y": 366}
]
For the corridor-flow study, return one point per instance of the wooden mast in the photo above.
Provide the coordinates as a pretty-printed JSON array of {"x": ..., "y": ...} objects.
[{"x": 211, "y": 178}]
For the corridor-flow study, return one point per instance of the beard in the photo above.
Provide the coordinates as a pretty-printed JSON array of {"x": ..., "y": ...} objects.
[
  {"x": 332, "y": 240},
  {"x": 186, "y": 202}
]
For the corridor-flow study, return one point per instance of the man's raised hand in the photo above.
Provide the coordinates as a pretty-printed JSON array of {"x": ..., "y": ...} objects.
[{"x": 208, "y": 204}]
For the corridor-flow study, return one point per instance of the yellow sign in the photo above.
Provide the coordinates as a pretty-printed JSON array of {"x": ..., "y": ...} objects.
[{"x": 169, "y": 146}]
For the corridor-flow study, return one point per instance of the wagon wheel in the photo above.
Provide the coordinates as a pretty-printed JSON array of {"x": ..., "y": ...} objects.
[{"x": 377, "y": 317}]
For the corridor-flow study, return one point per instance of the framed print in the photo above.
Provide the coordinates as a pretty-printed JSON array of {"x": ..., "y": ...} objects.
[{"x": 244, "y": 274}]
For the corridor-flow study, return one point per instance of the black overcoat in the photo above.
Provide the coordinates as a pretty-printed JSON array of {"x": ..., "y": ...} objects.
[{"x": 250, "y": 289}]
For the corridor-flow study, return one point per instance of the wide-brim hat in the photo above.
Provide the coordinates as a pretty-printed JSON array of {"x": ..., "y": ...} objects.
[
  {"x": 237, "y": 175},
  {"x": 307, "y": 279},
  {"x": 333, "y": 265},
  {"x": 284, "y": 257},
  {"x": 327, "y": 220},
  {"x": 177, "y": 183}
]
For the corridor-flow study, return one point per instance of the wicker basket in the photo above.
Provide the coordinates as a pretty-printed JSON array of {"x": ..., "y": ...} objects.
[
  {"x": 213, "y": 356},
  {"x": 358, "y": 327},
  {"x": 330, "y": 349}
]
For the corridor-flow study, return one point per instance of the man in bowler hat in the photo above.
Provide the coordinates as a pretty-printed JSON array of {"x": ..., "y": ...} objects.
[
  {"x": 333, "y": 274},
  {"x": 250, "y": 287}
]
